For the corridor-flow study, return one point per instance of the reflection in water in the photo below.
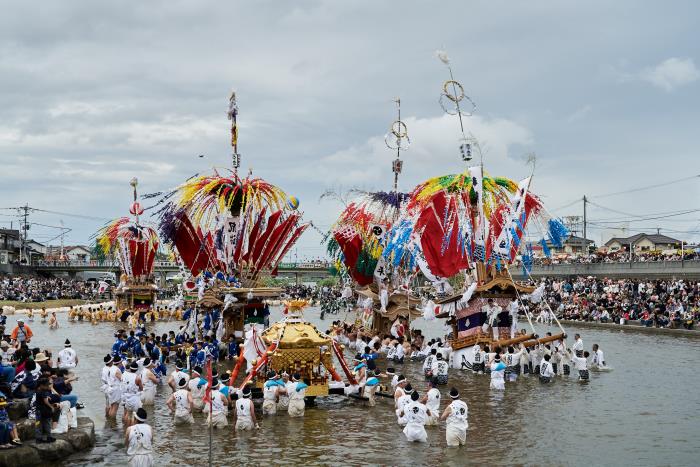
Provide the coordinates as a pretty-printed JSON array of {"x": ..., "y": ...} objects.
[{"x": 604, "y": 422}]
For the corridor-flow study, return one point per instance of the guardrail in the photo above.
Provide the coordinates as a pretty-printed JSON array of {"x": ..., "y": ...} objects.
[
  {"x": 653, "y": 269},
  {"x": 157, "y": 264}
]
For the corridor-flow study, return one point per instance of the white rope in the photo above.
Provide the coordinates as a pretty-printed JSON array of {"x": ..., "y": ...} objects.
[{"x": 546, "y": 302}]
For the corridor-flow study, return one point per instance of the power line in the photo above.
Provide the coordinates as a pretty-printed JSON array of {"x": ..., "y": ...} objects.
[
  {"x": 651, "y": 218},
  {"x": 79, "y": 216},
  {"x": 647, "y": 187}
]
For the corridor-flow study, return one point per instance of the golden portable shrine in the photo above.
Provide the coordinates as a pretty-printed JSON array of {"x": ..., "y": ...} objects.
[{"x": 297, "y": 346}]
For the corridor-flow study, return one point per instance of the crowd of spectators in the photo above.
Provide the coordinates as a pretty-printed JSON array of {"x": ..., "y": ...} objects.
[
  {"x": 617, "y": 257},
  {"x": 37, "y": 289},
  {"x": 32, "y": 373},
  {"x": 657, "y": 303}
]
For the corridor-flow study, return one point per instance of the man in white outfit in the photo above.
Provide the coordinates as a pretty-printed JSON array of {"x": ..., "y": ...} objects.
[
  {"x": 131, "y": 393},
  {"x": 150, "y": 381},
  {"x": 415, "y": 414},
  {"x": 198, "y": 387},
  {"x": 513, "y": 308},
  {"x": 139, "y": 441},
  {"x": 217, "y": 417},
  {"x": 456, "y": 414},
  {"x": 177, "y": 375},
  {"x": 180, "y": 402},
  {"x": 67, "y": 358},
  {"x": 432, "y": 402},
  {"x": 578, "y": 345},
  {"x": 245, "y": 412},
  {"x": 498, "y": 369},
  {"x": 401, "y": 402}
]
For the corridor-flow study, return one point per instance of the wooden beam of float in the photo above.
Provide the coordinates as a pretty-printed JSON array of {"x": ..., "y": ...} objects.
[
  {"x": 544, "y": 340},
  {"x": 343, "y": 365},
  {"x": 515, "y": 340},
  {"x": 237, "y": 368}
]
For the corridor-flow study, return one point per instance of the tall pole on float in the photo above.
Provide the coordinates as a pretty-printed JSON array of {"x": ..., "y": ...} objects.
[
  {"x": 451, "y": 100},
  {"x": 233, "y": 115},
  {"x": 397, "y": 138},
  {"x": 134, "y": 183}
]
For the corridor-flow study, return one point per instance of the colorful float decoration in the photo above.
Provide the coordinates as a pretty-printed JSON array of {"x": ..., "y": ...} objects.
[
  {"x": 357, "y": 240},
  {"x": 230, "y": 233},
  {"x": 135, "y": 246},
  {"x": 465, "y": 231}
]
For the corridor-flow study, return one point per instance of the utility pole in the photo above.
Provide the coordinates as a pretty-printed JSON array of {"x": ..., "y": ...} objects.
[
  {"x": 23, "y": 236},
  {"x": 585, "y": 201}
]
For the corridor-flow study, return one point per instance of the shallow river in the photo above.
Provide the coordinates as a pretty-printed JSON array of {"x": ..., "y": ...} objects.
[{"x": 645, "y": 412}]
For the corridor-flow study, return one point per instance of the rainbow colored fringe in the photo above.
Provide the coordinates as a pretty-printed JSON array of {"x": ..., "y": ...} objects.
[
  {"x": 107, "y": 238},
  {"x": 497, "y": 190},
  {"x": 204, "y": 197}
]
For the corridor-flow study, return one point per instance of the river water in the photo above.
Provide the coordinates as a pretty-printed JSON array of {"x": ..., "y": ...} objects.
[{"x": 644, "y": 412}]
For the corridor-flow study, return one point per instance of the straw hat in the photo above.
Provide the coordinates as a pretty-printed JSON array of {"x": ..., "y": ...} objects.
[{"x": 40, "y": 357}]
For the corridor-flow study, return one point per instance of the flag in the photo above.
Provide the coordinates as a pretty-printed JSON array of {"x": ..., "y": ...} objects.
[{"x": 207, "y": 393}]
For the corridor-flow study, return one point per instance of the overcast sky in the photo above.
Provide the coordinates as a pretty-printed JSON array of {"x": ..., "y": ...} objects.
[{"x": 94, "y": 93}]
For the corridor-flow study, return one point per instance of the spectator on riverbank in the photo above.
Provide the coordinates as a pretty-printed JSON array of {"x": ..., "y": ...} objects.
[
  {"x": 658, "y": 303},
  {"x": 616, "y": 257},
  {"x": 37, "y": 289}
]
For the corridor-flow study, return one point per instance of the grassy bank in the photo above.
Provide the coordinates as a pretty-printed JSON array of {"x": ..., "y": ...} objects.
[{"x": 38, "y": 305}]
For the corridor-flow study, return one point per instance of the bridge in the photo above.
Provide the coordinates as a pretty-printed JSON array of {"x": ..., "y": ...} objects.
[
  {"x": 316, "y": 271},
  {"x": 301, "y": 272}
]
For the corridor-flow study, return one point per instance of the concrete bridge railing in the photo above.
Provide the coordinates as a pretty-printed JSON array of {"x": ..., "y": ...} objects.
[{"x": 651, "y": 270}]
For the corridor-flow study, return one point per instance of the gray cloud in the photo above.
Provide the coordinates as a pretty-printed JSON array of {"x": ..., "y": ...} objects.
[{"x": 95, "y": 93}]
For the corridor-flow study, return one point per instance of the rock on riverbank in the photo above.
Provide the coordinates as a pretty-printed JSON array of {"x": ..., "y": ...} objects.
[{"x": 31, "y": 453}]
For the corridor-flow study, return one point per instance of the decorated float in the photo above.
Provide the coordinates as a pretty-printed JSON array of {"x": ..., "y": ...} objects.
[
  {"x": 230, "y": 231},
  {"x": 135, "y": 246},
  {"x": 464, "y": 232},
  {"x": 356, "y": 243}
]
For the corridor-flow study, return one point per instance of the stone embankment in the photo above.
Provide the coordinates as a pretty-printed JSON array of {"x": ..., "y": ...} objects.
[{"x": 32, "y": 454}]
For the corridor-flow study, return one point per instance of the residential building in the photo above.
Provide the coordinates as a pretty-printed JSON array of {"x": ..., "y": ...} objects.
[
  {"x": 9, "y": 246},
  {"x": 573, "y": 245},
  {"x": 643, "y": 242},
  {"x": 77, "y": 253}
]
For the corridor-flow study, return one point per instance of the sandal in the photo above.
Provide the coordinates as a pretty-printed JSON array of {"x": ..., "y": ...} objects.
[
  {"x": 79, "y": 405},
  {"x": 16, "y": 442}
]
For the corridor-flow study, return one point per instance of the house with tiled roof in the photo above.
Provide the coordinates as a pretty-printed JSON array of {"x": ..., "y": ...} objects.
[{"x": 643, "y": 242}]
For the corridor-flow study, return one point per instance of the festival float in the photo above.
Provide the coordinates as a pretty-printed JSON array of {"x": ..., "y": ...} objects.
[
  {"x": 135, "y": 246},
  {"x": 230, "y": 232},
  {"x": 294, "y": 345},
  {"x": 356, "y": 244},
  {"x": 464, "y": 231}
]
